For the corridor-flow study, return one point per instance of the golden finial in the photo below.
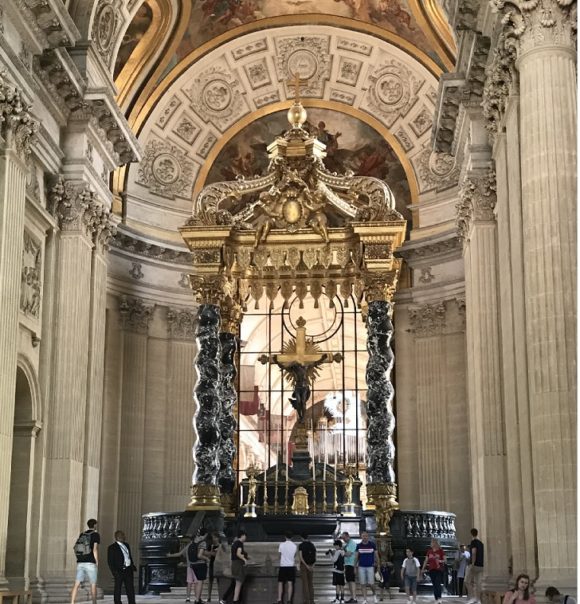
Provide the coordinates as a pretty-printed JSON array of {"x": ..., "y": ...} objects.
[{"x": 296, "y": 114}]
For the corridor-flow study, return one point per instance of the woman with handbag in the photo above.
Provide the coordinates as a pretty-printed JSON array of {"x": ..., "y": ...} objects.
[{"x": 435, "y": 564}]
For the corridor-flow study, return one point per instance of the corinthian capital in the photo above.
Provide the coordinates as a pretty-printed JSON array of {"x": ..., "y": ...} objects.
[
  {"x": 135, "y": 314},
  {"x": 476, "y": 203},
  {"x": 428, "y": 319},
  {"x": 536, "y": 23},
  {"x": 17, "y": 127}
]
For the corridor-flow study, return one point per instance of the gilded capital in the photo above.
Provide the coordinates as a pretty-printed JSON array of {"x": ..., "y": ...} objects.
[
  {"x": 17, "y": 126},
  {"x": 380, "y": 286},
  {"x": 477, "y": 199},
  {"x": 231, "y": 316},
  {"x": 209, "y": 289}
]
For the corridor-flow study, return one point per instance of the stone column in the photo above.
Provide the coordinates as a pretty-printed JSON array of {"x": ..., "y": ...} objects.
[
  {"x": 231, "y": 317},
  {"x": 381, "y": 486},
  {"x": 136, "y": 318},
  {"x": 432, "y": 420},
  {"x": 205, "y": 488},
  {"x": 75, "y": 209},
  {"x": 477, "y": 227},
  {"x": 545, "y": 37},
  {"x": 16, "y": 131}
]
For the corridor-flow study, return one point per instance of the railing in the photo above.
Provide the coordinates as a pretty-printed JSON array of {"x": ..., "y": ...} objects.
[
  {"x": 421, "y": 525},
  {"x": 161, "y": 526}
]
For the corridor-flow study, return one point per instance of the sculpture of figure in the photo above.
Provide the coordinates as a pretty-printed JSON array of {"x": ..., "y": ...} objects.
[
  {"x": 252, "y": 484},
  {"x": 348, "y": 488},
  {"x": 271, "y": 204},
  {"x": 300, "y": 378},
  {"x": 318, "y": 220}
]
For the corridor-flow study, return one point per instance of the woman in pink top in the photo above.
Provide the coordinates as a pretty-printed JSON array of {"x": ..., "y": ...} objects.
[{"x": 520, "y": 593}]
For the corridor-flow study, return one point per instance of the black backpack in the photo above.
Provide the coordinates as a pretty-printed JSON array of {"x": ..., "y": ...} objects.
[
  {"x": 82, "y": 546},
  {"x": 308, "y": 552},
  {"x": 192, "y": 551}
]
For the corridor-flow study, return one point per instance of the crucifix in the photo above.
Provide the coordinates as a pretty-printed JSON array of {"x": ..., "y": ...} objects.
[
  {"x": 300, "y": 359},
  {"x": 296, "y": 81}
]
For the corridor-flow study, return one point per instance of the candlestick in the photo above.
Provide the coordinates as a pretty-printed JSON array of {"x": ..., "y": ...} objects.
[
  {"x": 286, "y": 506},
  {"x": 323, "y": 496},
  {"x": 335, "y": 494},
  {"x": 266, "y": 509}
]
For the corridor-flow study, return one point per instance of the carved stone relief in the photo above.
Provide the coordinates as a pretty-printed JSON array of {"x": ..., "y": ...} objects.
[
  {"x": 17, "y": 127},
  {"x": 30, "y": 282},
  {"x": 428, "y": 320},
  {"x": 181, "y": 324},
  {"x": 435, "y": 170},
  {"x": 137, "y": 271},
  {"x": 186, "y": 129},
  {"x": 342, "y": 97},
  {"x": 421, "y": 122},
  {"x": 354, "y": 46},
  {"x": 309, "y": 58},
  {"x": 271, "y": 97},
  {"x": 426, "y": 275},
  {"x": 404, "y": 138},
  {"x": 166, "y": 170},
  {"x": 477, "y": 199},
  {"x": 250, "y": 49},
  {"x": 209, "y": 141},
  {"x": 217, "y": 96},
  {"x": 348, "y": 71},
  {"x": 125, "y": 241},
  {"x": 258, "y": 74},
  {"x": 106, "y": 23},
  {"x": 392, "y": 90},
  {"x": 135, "y": 314},
  {"x": 169, "y": 109}
]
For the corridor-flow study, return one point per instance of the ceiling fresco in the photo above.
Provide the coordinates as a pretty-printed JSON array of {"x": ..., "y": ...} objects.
[
  {"x": 350, "y": 144},
  {"x": 139, "y": 25},
  {"x": 210, "y": 18}
]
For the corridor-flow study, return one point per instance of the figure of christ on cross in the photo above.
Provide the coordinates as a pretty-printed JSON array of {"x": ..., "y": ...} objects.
[{"x": 300, "y": 360}]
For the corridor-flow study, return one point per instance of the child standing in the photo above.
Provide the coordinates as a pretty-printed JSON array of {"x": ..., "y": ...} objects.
[
  {"x": 338, "y": 571},
  {"x": 410, "y": 574}
]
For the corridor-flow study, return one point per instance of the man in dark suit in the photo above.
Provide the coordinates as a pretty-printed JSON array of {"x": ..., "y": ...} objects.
[{"x": 121, "y": 565}]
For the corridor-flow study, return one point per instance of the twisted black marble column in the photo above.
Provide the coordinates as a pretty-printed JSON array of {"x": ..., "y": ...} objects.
[
  {"x": 380, "y": 393},
  {"x": 227, "y": 423},
  {"x": 207, "y": 396}
]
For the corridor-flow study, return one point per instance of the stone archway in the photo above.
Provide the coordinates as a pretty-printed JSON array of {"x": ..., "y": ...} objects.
[{"x": 26, "y": 427}]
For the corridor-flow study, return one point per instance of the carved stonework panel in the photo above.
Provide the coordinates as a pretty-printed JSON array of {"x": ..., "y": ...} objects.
[
  {"x": 307, "y": 57},
  {"x": 258, "y": 74},
  {"x": 392, "y": 91},
  {"x": 354, "y": 46},
  {"x": 477, "y": 199},
  {"x": 271, "y": 97},
  {"x": 342, "y": 97},
  {"x": 17, "y": 127},
  {"x": 217, "y": 96},
  {"x": 105, "y": 25},
  {"x": 404, "y": 138},
  {"x": 186, "y": 129},
  {"x": 168, "y": 111},
  {"x": 428, "y": 320},
  {"x": 181, "y": 324},
  {"x": 30, "y": 282},
  {"x": 435, "y": 170},
  {"x": 421, "y": 122},
  {"x": 348, "y": 71},
  {"x": 135, "y": 314},
  {"x": 166, "y": 170},
  {"x": 250, "y": 49},
  {"x": 137, "y": 271},
  {"x": 426, "y": 275}
]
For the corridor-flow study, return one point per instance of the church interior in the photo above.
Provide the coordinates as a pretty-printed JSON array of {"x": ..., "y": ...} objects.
[{"x": 287, "y": 265}]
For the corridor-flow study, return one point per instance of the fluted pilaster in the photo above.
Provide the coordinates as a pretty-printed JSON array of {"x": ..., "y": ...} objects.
[
  {"x": 16, "y": 129},
  {"x": 487, "y": 424}
]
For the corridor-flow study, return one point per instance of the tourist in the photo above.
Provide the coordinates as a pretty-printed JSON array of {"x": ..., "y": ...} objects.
[
  {"x": 198, "y": 560},
  {"x": 189, "y": 578},
  {"x": 287, "y": 571},
  {"x": 475, "y": 571},
  {"x": 460, "y": 567},
  {"x": 410, "y": 574},
  {"x": 338, "y": 572},
  {"x": 520, "y": 593},
  {"x": 367, "y": 560},
  {"x": 239, "y": 559},
  {"x": 435, "y": 564},
  {"x": 349, "y": 548},
  {"x": 122, "y": 568},
  {"x": 213, "y": 545},
  {"x": 307, "y": 555},
  {"x": 86, "y": 550},
  {"x": 556, "y": 597}
]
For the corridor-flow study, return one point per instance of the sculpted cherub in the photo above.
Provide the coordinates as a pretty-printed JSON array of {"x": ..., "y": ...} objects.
[
  {"x": 315, "y": 202},
  {"x": 270, "y": 204}
]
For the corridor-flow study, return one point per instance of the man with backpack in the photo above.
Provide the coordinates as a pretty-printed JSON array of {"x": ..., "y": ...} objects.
[
  {"x": 86, "y": 550},
  {"x": 307, "y": 555}
]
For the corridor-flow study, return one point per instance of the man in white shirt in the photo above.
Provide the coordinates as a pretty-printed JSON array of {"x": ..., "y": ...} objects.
[{"x": 287, "y": 571}]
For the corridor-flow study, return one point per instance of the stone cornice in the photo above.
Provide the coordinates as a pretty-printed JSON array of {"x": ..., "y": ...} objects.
[
  {"x": 442, "y": 250},
  {"x": 17, "y": 127},
  {"x": 135, "y": 314},
  {"x": 50, "y": 22},
  {"x": 477, "y": 199},
  {"x": 125, "y": 240}
]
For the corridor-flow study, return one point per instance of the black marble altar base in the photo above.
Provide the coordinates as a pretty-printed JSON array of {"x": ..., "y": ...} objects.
[
  {"x": 273, "y": 527},
  {"x": 259, "y": 588}
]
